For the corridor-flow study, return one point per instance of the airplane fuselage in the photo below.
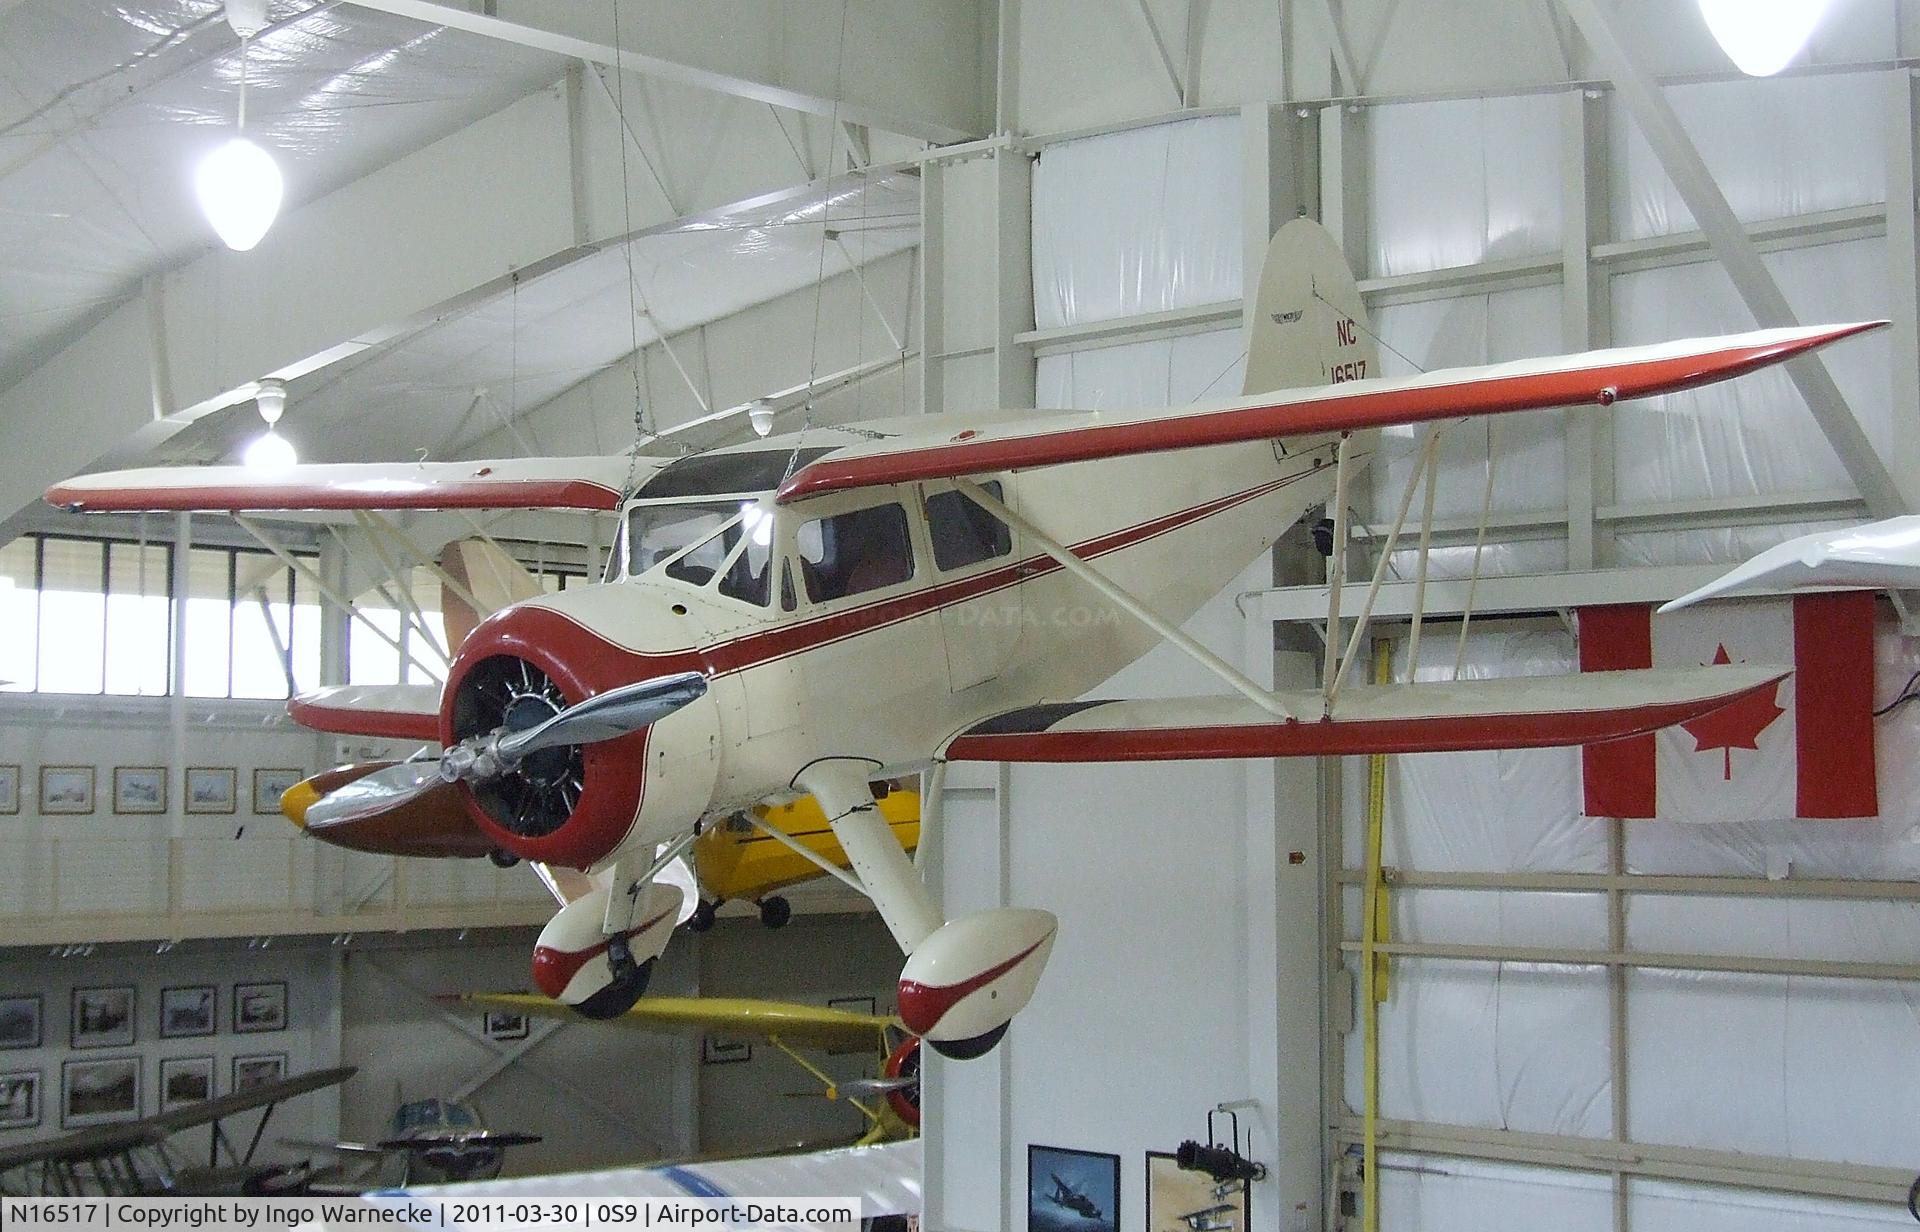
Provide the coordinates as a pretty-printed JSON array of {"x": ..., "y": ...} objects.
[{"x": 889, "y": 674}]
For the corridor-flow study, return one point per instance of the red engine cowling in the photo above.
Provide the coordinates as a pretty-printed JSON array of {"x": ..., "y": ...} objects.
[
  {"x": 575, "y": 805},
  {"x": 904, "y": 1062}
]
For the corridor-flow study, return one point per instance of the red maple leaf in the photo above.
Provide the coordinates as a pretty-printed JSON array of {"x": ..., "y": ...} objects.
[{"x": 1737, "y": 725}]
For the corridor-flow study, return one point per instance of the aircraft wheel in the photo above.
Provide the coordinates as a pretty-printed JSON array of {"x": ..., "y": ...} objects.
[
  {"x": 968, "y": 1049},
  {"x": 702, "y": 918},
  {"x": 775, "y": 911},
  {"x": 624, "y": 990},
  {"x": 502, "y": 858}
]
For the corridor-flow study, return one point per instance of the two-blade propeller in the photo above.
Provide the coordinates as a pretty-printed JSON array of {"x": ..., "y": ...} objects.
[{"x": 483, "y": 758}]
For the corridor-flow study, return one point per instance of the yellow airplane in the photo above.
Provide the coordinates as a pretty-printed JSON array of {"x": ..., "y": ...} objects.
[
  {"x": 890, "y": 1102},
  {"x": 738, "y": 860}
]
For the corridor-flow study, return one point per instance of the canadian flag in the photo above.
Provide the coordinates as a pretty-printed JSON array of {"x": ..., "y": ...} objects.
[{"x": 1805, "y": 749}]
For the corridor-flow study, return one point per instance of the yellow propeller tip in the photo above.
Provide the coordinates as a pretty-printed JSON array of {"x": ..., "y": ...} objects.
[{"x": 297, "y": 799}]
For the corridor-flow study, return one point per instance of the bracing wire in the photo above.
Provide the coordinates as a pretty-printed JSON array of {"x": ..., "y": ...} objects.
[
  {"x": 642, "y": 428},
  {"x": 820, "y": 271}
]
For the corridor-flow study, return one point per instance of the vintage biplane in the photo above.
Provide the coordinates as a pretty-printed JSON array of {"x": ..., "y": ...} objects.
[
  {"x": 135, "y": 1158},
  {"x": 810, "y": 613},
  {"x": 889, "y": 1101}
]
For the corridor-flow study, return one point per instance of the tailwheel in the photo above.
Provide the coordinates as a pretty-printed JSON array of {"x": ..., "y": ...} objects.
[
  {"x": 703, "y": 915},
  {"x": 968, "y": 1049},
  {"x": 775, "y": 911},
  {"x": 624, "y": 990}
]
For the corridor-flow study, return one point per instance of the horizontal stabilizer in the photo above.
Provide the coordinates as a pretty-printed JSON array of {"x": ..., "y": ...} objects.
[
  {"x": 1521, "y": 712},
  {"x": 381, "y": 711},
  {"x": 1881, "y": 555},
  {"x": 1591, "y": 378},
  {"x": 507, "y": 483}
]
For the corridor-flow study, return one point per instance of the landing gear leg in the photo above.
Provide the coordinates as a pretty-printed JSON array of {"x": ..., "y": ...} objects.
[
  {"x": 963, "y": 981},
  {"x": 840, "y": 785}
]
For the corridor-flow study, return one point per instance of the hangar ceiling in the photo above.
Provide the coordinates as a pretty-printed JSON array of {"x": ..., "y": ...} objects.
[{"x": 454, "y": 247}]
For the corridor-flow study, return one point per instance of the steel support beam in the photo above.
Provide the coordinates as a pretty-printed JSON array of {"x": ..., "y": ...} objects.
[
  {"x": 1818, "y": 1178},
  {"x": 913, "y": 71},
  {"x": 1751, "y": 278}
]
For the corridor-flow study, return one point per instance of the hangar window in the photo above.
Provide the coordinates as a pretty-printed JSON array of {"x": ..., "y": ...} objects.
[
  {"x": 963, "y": 533},
  {"x": 97, "y": 616},
  {"x": 855, "y": 552}
]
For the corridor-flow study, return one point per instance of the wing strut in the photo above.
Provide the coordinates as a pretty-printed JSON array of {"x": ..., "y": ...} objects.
[
  {"x": 1132, "y": 606},
  {"x": 800, "y": 849}
]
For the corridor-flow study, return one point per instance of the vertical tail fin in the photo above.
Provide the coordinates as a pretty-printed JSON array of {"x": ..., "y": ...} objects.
[
  {"x": 490, "y": 575},
  {"x": 1309, "y": 326}
]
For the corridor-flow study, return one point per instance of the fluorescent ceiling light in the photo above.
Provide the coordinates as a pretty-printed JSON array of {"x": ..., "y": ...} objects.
[
  {"x": 1762, "y": 36},
  {"x": 239, "y": 188}
]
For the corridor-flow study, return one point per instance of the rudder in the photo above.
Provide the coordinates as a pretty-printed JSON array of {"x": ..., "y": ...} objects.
[{"x": 1309, "y": 325}]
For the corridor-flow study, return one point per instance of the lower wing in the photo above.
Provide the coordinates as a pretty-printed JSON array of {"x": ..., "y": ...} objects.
[
  {"x": 1514, "y": 713},
  {"x": 815, "y": 1026}
]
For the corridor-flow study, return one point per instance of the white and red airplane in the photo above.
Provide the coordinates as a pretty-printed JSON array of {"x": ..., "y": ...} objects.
[{"x": 812, "y": 613}]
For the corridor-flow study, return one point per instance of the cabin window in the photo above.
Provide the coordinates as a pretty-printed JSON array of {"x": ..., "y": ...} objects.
[
  {"x": 855, "y": 552},
  {"x": 964, "y": 533},
  {"x": 748, "y": 574},
  {"x": 659, "y": 532}
]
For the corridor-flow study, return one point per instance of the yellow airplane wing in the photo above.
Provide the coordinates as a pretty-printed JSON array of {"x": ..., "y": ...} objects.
[{"x": 789, "y": 1022}]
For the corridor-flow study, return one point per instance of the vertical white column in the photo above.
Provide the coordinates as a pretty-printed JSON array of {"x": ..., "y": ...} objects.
[{"x": 1586, "y": 316}]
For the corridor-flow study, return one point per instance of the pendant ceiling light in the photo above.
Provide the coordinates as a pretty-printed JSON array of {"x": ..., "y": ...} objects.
[
  {"x": 1762, "y": 36},
  {"x": 238, "y": 184},
  {"x": 270, "y": 451}
]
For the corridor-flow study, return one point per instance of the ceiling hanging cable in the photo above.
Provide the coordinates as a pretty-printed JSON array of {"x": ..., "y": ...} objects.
[
  {"x": 820, "y": 271},
  {"x": 642, "y": 427}
]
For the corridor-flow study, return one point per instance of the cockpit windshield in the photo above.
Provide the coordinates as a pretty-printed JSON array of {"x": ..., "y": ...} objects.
[{"x": 731, "y": 540}]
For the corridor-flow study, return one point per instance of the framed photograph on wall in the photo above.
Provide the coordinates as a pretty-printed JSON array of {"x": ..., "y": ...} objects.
[
  {"x": 9, "y": 789},
  {"x": 503, "y": 1025},
  {"x": 102, "y": 1017},
  {"x": 269, "y": 786},
  {"x": 1178, "y": 1201},
  {"x": 210, "y": 789},
  {"x": 96, "y": 1092},
  {"x": 66, "y": 789},
  {"x": 20, "y": 1099},
  {"x": 1072, "y": 1191},
  {"x": 259, "y": 1007},
  {"x": 257, "y": 1070},
  {"x": 20, "y": 1021},
  {"x": 140, "y": 789},
  {"x": 185, "y": 1080},
  {"x": 187, "y": 1011}
]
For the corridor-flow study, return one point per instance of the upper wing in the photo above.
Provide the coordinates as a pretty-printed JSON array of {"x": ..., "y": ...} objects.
[
  {"x": 814, "y": 1026},
  {"x": 510, "y": 483},
  {"x": 1600, "y": 377},
  {"x": 1881, "y": 555},
  {"x": 210, "y": 1110},
  {"x": 1518, "y": 712}
]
